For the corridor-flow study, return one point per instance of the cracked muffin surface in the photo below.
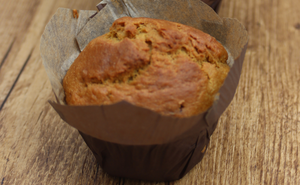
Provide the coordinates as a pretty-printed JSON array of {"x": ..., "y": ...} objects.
[{"x": 170, "y": 68}]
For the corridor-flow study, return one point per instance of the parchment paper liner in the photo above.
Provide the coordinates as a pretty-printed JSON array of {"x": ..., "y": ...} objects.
[{"x": 130, "y": 141}]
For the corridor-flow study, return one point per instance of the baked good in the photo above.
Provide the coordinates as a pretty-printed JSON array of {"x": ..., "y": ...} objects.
[{"x": 170, "y": 68}]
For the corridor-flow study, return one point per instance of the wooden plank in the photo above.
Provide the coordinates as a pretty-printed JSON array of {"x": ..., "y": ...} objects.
[
  {"x": 21, "y": 50},
  {"x": 15, "y": 19}
]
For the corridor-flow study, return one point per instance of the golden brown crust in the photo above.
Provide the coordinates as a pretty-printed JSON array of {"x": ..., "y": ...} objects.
[{"x": 167, "y": 67}]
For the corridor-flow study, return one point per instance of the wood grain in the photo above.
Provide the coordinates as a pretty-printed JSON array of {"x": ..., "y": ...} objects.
[{"x": 257, "y": 138}]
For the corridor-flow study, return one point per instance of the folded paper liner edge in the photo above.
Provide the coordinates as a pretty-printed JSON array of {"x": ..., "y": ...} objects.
[{"x": 123, "y": 122}]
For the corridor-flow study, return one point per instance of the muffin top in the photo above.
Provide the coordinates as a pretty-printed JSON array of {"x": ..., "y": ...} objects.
[{"x": 170, "y": 68}]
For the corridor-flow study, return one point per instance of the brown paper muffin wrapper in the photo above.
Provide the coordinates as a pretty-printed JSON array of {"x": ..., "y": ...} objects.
[
  {"x": 214, "y": 4},
  {"x": 130, "y": 141}
]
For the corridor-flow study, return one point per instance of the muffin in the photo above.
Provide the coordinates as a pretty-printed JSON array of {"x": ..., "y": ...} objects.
[{"x": 167, "y": 67}]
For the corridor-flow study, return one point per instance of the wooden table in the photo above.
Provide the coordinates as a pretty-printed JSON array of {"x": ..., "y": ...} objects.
[{"x": 257, "y": 139}]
